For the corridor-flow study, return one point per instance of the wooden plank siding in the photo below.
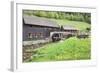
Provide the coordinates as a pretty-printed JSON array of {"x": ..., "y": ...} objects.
[{"x": 37, "y": 28}]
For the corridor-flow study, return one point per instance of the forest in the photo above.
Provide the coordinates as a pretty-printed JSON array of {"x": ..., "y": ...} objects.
[
  {"x": 72, "y": 48},
  {"x": 73, "y": 16}
]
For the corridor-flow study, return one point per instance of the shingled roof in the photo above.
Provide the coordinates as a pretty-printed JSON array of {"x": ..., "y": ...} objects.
[{"x": 40, "y": 21}]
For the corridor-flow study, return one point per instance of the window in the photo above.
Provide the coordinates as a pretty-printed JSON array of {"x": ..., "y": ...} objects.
[
  {"x": 30, "y": 35},
  {"x": 41, "y": 35},
  {"x": 36, "y": 36}
]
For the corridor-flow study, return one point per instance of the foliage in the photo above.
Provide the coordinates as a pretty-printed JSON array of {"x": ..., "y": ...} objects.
[
  {"x": 76, "y": 24},
  {"x": 74, "y": 16},
  {"x": 78, "y": 20},
  {"x": 69, "y": 49}
]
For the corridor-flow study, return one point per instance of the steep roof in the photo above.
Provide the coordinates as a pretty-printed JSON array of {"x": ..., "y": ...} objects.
[{"x": 40, "y": 21}]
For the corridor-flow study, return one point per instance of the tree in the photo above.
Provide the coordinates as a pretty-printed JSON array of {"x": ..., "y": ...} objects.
[{"x": 74, "y": 16}]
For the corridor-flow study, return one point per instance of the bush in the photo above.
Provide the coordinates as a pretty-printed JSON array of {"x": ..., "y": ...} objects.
[{"x": 74, "y": 16}]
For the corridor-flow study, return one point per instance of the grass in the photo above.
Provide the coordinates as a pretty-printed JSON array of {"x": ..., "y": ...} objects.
[
  {"x": 70, "y": 49},
  {"x": 77, "y": 24}
]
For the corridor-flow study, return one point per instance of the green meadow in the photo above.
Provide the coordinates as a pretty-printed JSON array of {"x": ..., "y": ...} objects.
[
  {"x": 76, "y": 24},
  {"x": 69, "y": 49},
  {"x": 78, "y": 20},
  {"x": 72, "y": 48}
]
